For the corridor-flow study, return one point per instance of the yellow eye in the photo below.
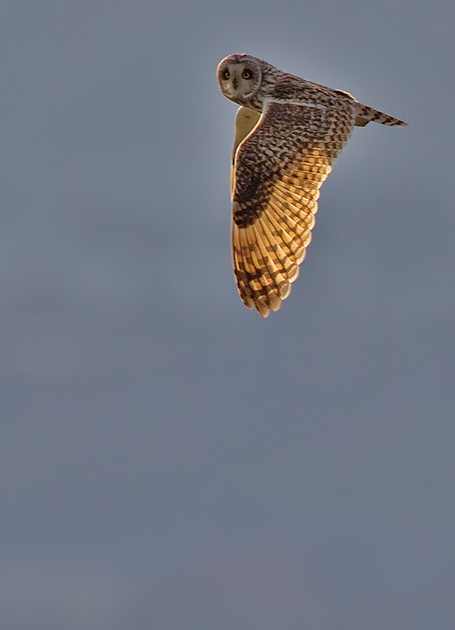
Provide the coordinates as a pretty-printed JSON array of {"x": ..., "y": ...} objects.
[
  {"x": 226, "y": 74},
  {"x": 246, "y": 74}
]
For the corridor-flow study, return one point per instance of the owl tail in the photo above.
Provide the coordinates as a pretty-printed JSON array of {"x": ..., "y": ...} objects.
[{"x": 367, "y": 114}]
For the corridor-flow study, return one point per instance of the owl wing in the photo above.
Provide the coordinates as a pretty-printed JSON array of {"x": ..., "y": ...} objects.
[{"x": 278, "y": 170}]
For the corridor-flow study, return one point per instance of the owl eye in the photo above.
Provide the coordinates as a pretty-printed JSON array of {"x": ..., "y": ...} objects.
[
  {"x": 246, "y": 74},
  {"x": 226, "y": 74}
]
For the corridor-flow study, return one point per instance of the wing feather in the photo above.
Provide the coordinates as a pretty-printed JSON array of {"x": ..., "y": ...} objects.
[
  {"x": 279, "y": 166},
  {"x": 297, "y": 222},
  {"x": 303, "y": 219},
  {"x": 274, "y": 264},
  {"x": 239, "y": 268},
  {"x": 290, "y": 242},
  {"x": 276, "y": 275},
  {"x": 297, "y": 234},
  {"x": 262, "y": 301},
  {"x": 278, "y": 248}
]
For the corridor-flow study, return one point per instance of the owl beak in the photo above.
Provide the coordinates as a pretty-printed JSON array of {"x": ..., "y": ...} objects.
[{"x": 235, "y": 83}]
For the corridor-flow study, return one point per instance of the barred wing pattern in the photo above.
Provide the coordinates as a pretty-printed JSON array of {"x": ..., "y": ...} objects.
[{"x": 278, "y": 170}]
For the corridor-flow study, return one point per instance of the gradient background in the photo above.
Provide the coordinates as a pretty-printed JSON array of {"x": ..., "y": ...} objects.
[{"x": 169, "y": 459}]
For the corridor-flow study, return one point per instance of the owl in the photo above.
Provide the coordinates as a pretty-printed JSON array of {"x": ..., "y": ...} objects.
[{"x": 288, "y": 133}]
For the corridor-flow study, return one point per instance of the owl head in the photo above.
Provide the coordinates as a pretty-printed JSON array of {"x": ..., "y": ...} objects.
[{"x": 240, "y": 77}]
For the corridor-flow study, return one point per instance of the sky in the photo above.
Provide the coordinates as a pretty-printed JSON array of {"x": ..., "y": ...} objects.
[{"x": 169, "y": 460}]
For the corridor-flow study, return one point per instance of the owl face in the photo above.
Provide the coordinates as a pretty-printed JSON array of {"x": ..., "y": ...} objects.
[{"x": 239, "y": 77}]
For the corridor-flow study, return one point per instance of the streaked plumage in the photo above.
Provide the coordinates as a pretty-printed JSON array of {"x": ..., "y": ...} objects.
[{"x": 289, "y": 132}]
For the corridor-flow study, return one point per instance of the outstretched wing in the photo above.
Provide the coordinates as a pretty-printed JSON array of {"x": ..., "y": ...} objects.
[{"x": 278, "y": 170}]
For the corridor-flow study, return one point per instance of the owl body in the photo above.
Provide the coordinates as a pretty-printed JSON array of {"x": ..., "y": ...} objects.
[{"x": 289, "y": 131}]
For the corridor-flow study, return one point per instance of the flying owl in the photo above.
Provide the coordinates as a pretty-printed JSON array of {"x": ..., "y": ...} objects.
[{"x": 288, "y": 133}]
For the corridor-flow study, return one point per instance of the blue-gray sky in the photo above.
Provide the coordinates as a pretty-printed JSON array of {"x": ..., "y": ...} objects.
[{"x": 169, "y": 459}]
